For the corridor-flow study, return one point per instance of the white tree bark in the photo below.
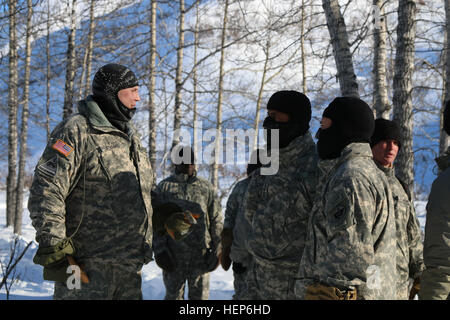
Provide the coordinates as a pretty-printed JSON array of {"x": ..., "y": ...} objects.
[
  {"x": 152, "y": 87},
  {"x": 12, "y": 118},
  {"x": 70, "y": 63},
  {"x": 341, "y": 48},
  {"x": 402, "y": 99},
  {"x": 381, "y": 104},
  {"x": 218, "y": 141},
  {"x": 24, "y": 128}
]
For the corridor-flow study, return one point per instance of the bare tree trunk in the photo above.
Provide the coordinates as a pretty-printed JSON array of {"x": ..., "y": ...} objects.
[
  {"x": 341, "y": 48},
  {"x": 24, "y": 129},
  {"x": 70, "y": 65},
  {"x": 151, "y": 88},
  {"x": 12, "y": 119},
  {"x": 194, "y": 78},
  {"x": 260, "y": 94},
  {"x": 402, "y": 100},
  {"x": 47, "y": 49},
  {"x": 302, "y": 48},
  {"x": 178, "y": 77},
  {"x": 444, "y": 138},
  {"x": 380, "y": 96},
  {"x": 89, "y": 50},
  {"x": 218, "y": 141}
]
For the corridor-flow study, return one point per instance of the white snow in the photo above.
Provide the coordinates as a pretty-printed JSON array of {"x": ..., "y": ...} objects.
[{"x": 31, "y": 285}]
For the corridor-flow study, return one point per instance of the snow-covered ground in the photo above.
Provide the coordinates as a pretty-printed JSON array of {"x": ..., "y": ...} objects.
[{"x": 31, "y": 285}]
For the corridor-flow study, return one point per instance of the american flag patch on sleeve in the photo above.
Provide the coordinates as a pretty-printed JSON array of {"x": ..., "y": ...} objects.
[{"x": 62, "y": 147}]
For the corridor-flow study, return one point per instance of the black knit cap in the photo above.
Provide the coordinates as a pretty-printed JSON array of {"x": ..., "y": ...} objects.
[
  {"x": 294, "y": 103},
  {"x": 386, "y": 130},
  {"x": 446, "y": 123},
  {"x": 352, "y": 117}
]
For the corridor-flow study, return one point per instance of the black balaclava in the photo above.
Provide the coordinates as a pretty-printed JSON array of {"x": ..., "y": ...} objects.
[
  {"x": 254, "y": 162},
  {"x": 446, "y": 123},
  {"x": 108, "y": 81},
  {"x": 183, "y": 167},
  {"x": 352, "y": 121},
  {"x": 297, "y": 106},
  {"x": 385, "y": 130}
]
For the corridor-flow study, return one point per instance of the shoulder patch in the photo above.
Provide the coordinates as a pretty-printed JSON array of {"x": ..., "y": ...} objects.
[
  {"x": 62, "y": 147},
  {"x": 49, "y": 168}
]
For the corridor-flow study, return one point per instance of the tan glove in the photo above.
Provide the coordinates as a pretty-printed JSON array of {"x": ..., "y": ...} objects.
[
  {"x": 414, "y": 289},
  {"x": 318, "y": 291}
]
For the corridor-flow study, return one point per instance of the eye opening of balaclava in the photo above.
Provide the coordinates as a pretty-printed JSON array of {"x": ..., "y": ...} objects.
[
  {"x": 352, "y": 121},
  {"x": 107, "y": 83},
  {"x": 297, "y": 106}
]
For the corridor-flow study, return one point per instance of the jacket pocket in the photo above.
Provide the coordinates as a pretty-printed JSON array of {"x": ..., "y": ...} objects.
[{"x": 338, "y": 213}]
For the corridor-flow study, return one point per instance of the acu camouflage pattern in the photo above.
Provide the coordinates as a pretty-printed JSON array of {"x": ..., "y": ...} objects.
[
  {"x": 435, "y": 281},
  {"x": 196, "y": 195},
  {"x": 277, "y": 207},
  {"x": 351, "y": 235},
  {"x": 107, "y": 178},
  {"x": 235, "y": 220},
  {"x": 409, "y": 236}
]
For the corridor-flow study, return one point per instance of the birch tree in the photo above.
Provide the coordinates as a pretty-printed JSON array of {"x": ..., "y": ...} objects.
[
  {"x": 341, "y": 48},
  {"x": 152, "y": 87},
  {"x": 218, "y": 140},
  {"x": 70, "y": 62},
  {"x": 402, "y": 99},
  {"x": 443, "y": 139},
  {"x": 24, "y": 126},
  {"x": 12, "y": 118},
  {"x": 381, "y": 104},
  {"x": 179, "y": 76}
]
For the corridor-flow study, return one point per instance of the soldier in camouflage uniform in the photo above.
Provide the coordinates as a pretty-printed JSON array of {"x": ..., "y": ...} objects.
[
  {"x": 235, "y": 232},
  {"x": 385, "y": 144},
  {"x": 277, "y": 206},
  {"x": 192, "y": 258},
  {"x": 436, "y": 277},
  {"x": 351, "y": 245},
  {"x": 92, "y": 186}
]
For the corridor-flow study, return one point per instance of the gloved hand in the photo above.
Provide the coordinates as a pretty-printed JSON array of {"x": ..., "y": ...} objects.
[
  {"x": 226, "y": 237},
  {"x": 415, "y": 288},
  {"x": 318, "y": 291},
  {"x": 212, "y": 259},
  {"x": 54, "y": 260},
  {"x": 166, "y": 261}
]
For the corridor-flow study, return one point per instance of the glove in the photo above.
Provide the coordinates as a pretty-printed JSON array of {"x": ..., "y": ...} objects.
[
  {"x": 166, "y": 261},
  {"x": 212, "y": 260},
  {"x": 317, "y": 291},
  {"x": 415, "y": 288},
  {"x": 225, "y": 260},
  {"x": 226, "y": 237},
  {"x": 54, "y": 260}
]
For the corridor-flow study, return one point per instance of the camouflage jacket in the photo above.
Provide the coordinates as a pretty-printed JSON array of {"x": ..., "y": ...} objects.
[
  {"x": 278, "y": 206},
  {"x": 351, "y": 234},
  {"x": 409, "y": 236},
  {"x": 435, "y": 282},
  {"x": 198, "y": 196},
  {"x": 95, "y": 177},
  {"x": 235, "y": 220}
]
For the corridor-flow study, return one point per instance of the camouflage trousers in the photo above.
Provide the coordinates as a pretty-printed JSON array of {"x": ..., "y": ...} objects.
[
  {"x": 107, "y": 281},
  {"x": 271, "y": 282},
  {"x": 175, "y": 283},
  {"x": 240, "y": 281}
]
